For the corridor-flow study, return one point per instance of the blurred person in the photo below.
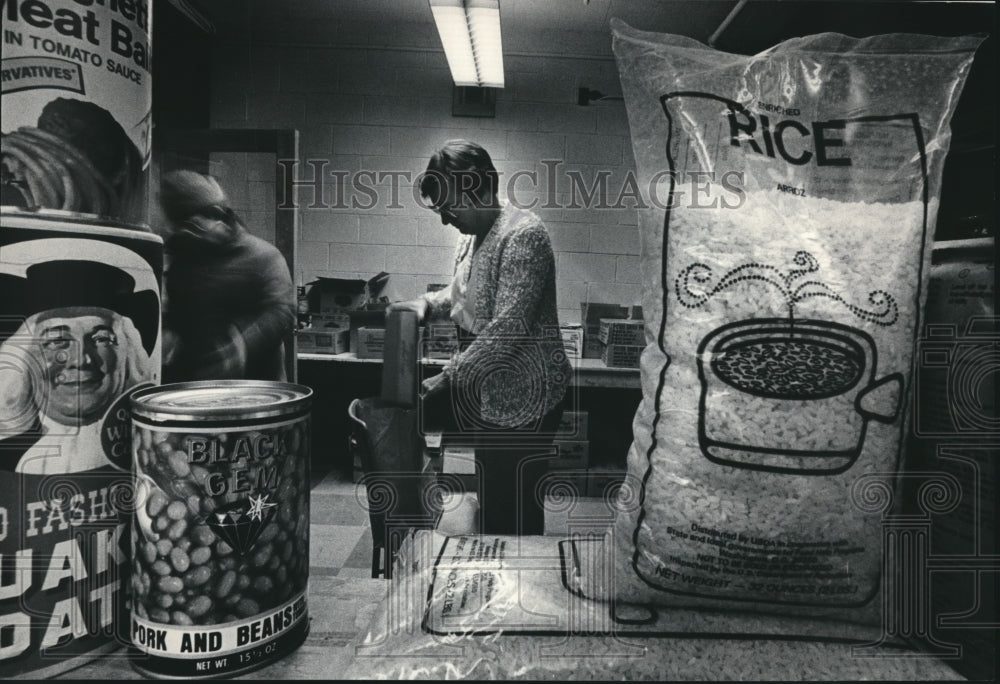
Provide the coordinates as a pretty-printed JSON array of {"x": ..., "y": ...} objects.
[
  {"x": 229, "y": 300},
  {"x": 62, "y": 370},
  {"x": 504, "y": 390}
]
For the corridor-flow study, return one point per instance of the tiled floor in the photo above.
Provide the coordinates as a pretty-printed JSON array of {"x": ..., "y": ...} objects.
[
  {"x": 340, "y": 540},
  {"x": 340, "y": 533}
]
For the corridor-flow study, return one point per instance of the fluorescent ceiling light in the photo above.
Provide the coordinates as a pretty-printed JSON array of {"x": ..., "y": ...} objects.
[{"x": 470, "y": 34}]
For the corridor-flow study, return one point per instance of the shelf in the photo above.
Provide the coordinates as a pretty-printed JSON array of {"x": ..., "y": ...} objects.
[{"x": 586, "y": 372}]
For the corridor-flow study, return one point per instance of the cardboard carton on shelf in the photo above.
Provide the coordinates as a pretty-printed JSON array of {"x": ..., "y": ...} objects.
[
  {"x": 572, "y": 337},
  {"x": 591, "y": 314},
  {"x": 439, "y": 340},
  {"x": 336, "y": 319},
  {"x": 621, "y": 355},
  {"x": 323, "y": 340},
  {"x": 364, "y": 318},
  {"x": 371, "y": 343},
  {"x": 352, "y": 303},
  {"x": 331, "y": 295},
  {"x": 618, "y": 331}
]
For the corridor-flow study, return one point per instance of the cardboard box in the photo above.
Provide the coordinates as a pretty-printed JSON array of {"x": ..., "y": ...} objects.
[
  {"x": 571, "y": 455},
  {"x": 439, "y": 340},
  {"x": 572, "y": 426},
  {"x": 621, "y": 355},
  {"x": 323, "y": 340},
  {"x": 338, "y": 319},
  {"x": 572, "y": 336},
  {"x": 326, "y": 295},
  {"x": 364, "y": 319},
  {"x": 591, "y": 314},
  {"x": 371, "y": 343},
  {"x": 619, "y": 331}
]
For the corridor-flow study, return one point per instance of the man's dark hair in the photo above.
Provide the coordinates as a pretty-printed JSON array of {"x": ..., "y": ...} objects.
[{"x": 467, "y": 165}]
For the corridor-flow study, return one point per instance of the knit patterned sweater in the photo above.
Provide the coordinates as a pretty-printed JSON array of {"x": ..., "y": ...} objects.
[{"x": 516, "y": 364}]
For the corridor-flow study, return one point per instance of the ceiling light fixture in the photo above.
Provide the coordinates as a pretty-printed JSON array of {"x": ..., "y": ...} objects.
[{"x": 470, "y": 34}]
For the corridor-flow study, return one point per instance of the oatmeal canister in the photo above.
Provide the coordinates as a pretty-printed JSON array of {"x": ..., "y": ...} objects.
[
  {"x": 220, "y": 532},
  {"x": 79, "y": 331}
]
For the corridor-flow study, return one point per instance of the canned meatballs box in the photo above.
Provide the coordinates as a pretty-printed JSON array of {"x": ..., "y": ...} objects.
[{"x": 220, "y": 529}]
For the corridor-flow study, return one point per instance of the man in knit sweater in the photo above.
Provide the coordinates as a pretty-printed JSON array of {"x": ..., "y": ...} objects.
[
  {"x": 504, "y": 390},
  {"x": 229, "y": 300}
]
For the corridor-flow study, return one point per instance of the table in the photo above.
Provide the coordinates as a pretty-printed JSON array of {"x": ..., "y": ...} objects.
[
  {"x": 340, "y": 610},
  {"x": 586, "y": 372},
  {"x": 610, "y": 395}
]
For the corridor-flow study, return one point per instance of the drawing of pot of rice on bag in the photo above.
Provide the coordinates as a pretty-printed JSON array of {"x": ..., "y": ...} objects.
[{"x": 784, "y": 394}]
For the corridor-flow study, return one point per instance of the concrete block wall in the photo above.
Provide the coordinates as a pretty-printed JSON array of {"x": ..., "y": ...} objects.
[{"x": 368, "y": 120}]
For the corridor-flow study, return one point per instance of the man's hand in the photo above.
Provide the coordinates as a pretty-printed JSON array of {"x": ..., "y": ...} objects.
[
  {"x": 418, "y": 306},
  {"x": 433, "y": 385}
]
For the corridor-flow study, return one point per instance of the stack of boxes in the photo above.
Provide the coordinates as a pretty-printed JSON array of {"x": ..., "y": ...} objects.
[
  {"x": 439, "y": 340},
  {"x": 591, "y": 314},
  {"x": 338, "y": 309},
  {"x": 326, "y": 334},
  {"x": 612, "y": 333},
  {"x": 622, "y": 342},
  {"x": 370, "y": 342}
]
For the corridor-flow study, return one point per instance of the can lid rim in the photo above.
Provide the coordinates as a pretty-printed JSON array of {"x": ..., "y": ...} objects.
[{"x": 272, "y": 397}]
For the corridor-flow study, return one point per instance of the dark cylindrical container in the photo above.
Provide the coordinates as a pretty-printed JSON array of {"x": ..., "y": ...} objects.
[
  {"x": 77, "y": 109},
  {"x": 220, "y": 533},
  {"x": 79, "y": 330}
]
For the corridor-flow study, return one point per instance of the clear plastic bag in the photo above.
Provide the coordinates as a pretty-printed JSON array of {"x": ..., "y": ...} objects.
[
  {"x": 785, "y": 251},
  {"x": 489, "y": 607}
]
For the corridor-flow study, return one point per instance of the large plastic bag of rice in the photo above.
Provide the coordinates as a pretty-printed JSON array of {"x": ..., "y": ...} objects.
[{"x": 785, "y": 250}]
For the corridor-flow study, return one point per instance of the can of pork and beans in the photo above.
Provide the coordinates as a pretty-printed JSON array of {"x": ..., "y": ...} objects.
[{"x": 220, "y": 533}]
